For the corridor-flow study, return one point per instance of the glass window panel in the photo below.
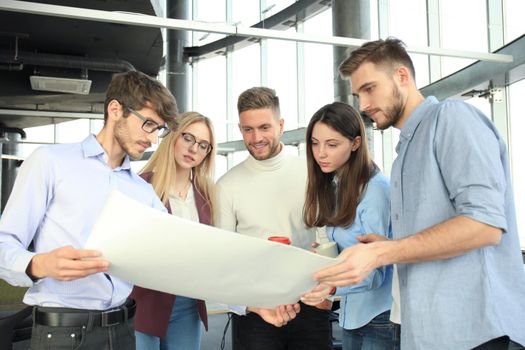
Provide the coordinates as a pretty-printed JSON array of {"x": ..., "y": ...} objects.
[
  {"x": 462, "y": 32},
  {"x": 239, "y": 157},
  {"x": 221, "y": 166},
  {"x": 374, "y": 21},
  {"x": 211, "y": 93},
  {"x": 275, "y": 6},
  {"x": 395, "y": 140},
  {"x": 412, "y": 34},
  {"x": 318, "y": 67},
  {"x": 34, "y": 136},
  {"x": 420, "y": 62},
  {"x": 482, "y": 104},
  {"x": 209, "y": 11},
  {"x": 320, "y": 24},
  {"x": 244, "y": 76},
  {"x": 378, "y": 148},
  {"x": 415, "y": 31},
  {"x": 245, "y": 12},
  {"x": 72, "y": 131},
  {"x": 282, "y": 76},
  {"x": 96, "y": 125},
  {"x": 517, "y": 144},
  {"x": 26, "y": 149},
  {"x": 514, "y": 24},
  {"x": 201, "y": 39},
  {"x": 44, "y": 134},
  {"x": 291, "y": 150}
]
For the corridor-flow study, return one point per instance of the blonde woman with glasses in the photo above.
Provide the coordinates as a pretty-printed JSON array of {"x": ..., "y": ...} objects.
[{"x": 181, "y": 171}]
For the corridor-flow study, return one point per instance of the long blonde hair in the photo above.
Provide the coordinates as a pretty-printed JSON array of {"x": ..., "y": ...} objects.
[{"x": 162, "y": 163}]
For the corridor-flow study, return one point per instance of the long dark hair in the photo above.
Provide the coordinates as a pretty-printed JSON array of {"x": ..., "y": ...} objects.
[{"x": 321, "y": 205}]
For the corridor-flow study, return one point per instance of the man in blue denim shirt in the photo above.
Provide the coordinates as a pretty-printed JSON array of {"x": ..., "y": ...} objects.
[{"x": 455, "y": 235}]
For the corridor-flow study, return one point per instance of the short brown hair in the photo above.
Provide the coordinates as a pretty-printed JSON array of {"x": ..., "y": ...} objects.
[
  {"x": 259, "y": 98},
  {"x": 387, "y": 53},
  {"x": 135, "y": 89}
]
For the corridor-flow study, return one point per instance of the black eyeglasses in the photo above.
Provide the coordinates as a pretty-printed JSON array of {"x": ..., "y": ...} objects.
[
  {"x": 149, "y": 125},
  {"x": 203, "y": 146}
]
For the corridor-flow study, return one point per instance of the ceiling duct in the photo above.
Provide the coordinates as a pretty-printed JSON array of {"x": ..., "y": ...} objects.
[
  {"x": 65, "y": 61},
  {"x": 73, "y": 86}
]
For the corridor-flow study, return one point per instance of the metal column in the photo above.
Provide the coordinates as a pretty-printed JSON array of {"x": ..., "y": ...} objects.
[
  {"x": 9, "y": 167},
  {"x": 350, "y": 18},
  {"x": 178, "y": 73}
]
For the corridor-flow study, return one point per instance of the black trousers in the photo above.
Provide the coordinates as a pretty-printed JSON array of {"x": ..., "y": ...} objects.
[
  {"x": 310, "y": 330},
  {"x": 501, "y": 343},
  {"x": 119, "y": 334}
]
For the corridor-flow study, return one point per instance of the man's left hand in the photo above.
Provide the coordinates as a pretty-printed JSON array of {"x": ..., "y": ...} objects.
[{"x": 279, "y": 316}]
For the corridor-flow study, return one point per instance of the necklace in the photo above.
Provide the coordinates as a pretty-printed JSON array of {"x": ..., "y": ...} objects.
[{"x": 182, "y": 192}]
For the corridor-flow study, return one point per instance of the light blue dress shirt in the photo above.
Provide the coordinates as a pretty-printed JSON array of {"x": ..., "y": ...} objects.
[
  {"x": 452, "y": 162},
  {"x": 58, "y": 193},
  {"x": 361, "y": 303}
]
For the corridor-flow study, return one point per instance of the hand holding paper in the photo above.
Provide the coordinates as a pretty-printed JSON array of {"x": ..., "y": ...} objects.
[{"x": 160, "y": 251}]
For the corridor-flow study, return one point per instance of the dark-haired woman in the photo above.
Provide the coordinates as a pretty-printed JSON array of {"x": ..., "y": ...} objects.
[{"x": 347, "y": 193}]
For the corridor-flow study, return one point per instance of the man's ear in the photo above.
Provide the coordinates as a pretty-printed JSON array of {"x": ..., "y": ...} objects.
[
  {"x": 403, "y": 75},
  {"x": 115, "y": 110},
  {"x": 281, "y": 125}
]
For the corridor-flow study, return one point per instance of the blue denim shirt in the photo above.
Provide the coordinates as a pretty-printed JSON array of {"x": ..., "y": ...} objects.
[
  {"x": 452, "y": 162},
  {"x": 58, "y": 193},
  {"x": 362, "y": 302}
]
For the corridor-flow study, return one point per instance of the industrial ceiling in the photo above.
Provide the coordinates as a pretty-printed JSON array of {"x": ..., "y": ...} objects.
[{"x": 69, "y": 51}]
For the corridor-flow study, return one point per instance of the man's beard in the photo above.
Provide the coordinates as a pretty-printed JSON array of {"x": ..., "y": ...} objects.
[
  {"x": 274, "y": 149},
  {"x": 124, "y": 140},
  {"x": 394, "y": 112}
]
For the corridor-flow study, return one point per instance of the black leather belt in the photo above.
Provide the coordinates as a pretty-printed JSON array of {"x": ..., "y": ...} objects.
[{"x": 81, "y": 318}]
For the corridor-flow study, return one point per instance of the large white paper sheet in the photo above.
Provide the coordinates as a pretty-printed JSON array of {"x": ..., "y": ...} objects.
[{"x": 160, "y": 251}]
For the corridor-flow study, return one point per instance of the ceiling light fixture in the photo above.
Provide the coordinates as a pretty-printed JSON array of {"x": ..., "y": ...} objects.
[{"x": 72, "y": 86}]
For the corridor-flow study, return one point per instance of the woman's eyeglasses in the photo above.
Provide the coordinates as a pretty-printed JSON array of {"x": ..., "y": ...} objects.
[{"x": 189, "y": 140}]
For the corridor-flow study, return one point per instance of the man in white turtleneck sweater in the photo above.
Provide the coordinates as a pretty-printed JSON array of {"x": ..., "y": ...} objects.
[{"x": 261, "y": 197}]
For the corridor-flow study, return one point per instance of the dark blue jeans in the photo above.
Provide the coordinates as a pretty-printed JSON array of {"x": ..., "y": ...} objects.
[
  {"x": 310, "y": 330},
  {"x": 378, "y": 334}
]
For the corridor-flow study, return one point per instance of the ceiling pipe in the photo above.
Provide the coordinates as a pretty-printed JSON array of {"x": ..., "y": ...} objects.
[
  {"x": 11, "y": 66},
  {"x": 66, "y": 61},
  {"x": 6, "y": 129}
]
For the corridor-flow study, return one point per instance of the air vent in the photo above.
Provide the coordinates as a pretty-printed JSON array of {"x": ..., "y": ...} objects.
[
  {"x": 290, "y": 23},
  {"x": 72, "y": 86}
]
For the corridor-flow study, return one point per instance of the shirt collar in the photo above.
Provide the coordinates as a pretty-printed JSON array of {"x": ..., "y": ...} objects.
[
  {"x": 407, "y": 131},
  {"x": 92, "y": 148}
]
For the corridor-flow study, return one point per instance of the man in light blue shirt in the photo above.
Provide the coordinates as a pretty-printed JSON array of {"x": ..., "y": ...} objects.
[
  {"x": 55, "y": 201},
  {"x": 455, "y": 235}
]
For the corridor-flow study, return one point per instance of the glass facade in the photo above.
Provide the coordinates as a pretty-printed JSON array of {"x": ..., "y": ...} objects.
[{"x": 303, "y": 73}]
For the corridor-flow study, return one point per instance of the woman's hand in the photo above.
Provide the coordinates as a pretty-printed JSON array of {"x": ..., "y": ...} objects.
[{"x": 317, "y": 295}]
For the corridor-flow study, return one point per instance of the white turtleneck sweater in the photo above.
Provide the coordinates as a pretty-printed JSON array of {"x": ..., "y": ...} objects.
[{"x": 261, "y": 198}]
